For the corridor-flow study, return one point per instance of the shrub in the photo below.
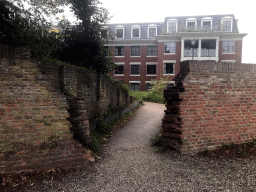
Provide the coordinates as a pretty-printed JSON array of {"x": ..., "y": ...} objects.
[{"x": 155, "y": 97}]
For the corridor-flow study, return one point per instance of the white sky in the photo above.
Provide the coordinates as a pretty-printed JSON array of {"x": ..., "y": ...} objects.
[{"x": 144, "y": 11}]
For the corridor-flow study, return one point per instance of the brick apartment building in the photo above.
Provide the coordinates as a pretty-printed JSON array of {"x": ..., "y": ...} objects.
[{"x": 146, "y": 51}]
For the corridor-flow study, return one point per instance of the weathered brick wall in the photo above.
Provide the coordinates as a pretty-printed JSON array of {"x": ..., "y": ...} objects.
[
  {"x": 83, "y": 83},
  {"x": 34, "y": 131},
  {"x": 45, "y": 110},
  {"x": 212, "y": 104}
]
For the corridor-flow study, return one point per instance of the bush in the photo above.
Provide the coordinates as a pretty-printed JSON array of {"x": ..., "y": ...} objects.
[
  {"x": 155, "y": 97},
  {"x": 123, "y": 86},
  {"x": 152, "y": 96}
]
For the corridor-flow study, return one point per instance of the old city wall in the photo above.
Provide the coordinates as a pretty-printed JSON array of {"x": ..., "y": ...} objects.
[
  {"x": 212, "y": 103},
  {"x": 40, "y": 126}
]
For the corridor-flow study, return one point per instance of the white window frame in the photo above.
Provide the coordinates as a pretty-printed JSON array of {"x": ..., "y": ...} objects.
[
  {"x": 169, "y": 61},
  {"x": 135, "y": 27},
  {"x": 227, "y": 19},
  {"x": 172, "y": 21},
  {"x": 134, "y": 63},
  {"x": 228, "y": 61},
  {"x": 199, "y": 58},
  {"x": 191, "y": 20},
  {"x": 119, "y": 27},
  {"x": 119, "y": 63},
  {"x": 151, "y": 63},
  {"x": 231, "y": 52},
  {"x": 152, "y": 26}
]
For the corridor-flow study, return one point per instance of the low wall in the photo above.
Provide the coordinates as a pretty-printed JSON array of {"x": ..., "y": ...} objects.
[{"x": 212, "y": 103}]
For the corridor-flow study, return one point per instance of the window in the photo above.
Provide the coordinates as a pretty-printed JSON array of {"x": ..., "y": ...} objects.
[
  {"x": 135, "y": 86},
  {"x": 168, "y": 68},
  {"x": 119, "y": 31},
  {"x": 172, "y": 27},
  {"x": 120, "y": 69},
  {"x": 152, "y": 51},
  {"x": 191, "y": 25},
  {"x": 191, "y": 50},
  {"x": 135, "y": 31},
  {"x": 226, "y": 23},
  {"x": 135, "y": 69},
  {"x": 228, "y": 47},
  {"x": 170, "y": 47},
  {"x": 151, "y": 69},
  {"x": 119, "y": 51},
  {"x": 135, "y": 50},
  {"x": 206, "y": 25},
  {"x": 104, "y": 33},
  {"x": 208, "y": 48},
  {"x": 151, "y": 31}
]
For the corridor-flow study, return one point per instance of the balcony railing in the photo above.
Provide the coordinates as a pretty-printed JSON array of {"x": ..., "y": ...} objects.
[
  {"x": 203, "y": 28},
  {"x": 208, "y": 52},
  {"x": 188, "y": 52},
  {"x": 204, "y": 52}
]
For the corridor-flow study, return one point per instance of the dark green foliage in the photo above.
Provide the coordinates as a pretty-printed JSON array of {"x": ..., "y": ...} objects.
[
  {"x": 123, "y": 86},
  {"x": 81, "y": 46}
]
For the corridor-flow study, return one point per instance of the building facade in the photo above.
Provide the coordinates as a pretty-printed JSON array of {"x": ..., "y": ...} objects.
[{"x": 146, "y": 51}]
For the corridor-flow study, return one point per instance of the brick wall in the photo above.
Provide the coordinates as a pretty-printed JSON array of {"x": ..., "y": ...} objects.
[
  {"x": 34, "y": 131},
  {"x": 213, "y": 103},
  {"x": 40, "y": 126},
  {"x": 83, "y": 83}
]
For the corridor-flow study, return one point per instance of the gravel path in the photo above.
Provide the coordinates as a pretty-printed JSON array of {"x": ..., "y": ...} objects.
[{"x": 129, "y": 163}]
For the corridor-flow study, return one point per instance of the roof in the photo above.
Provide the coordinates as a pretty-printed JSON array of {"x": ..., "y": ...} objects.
[{"x": 216, "y": 21}]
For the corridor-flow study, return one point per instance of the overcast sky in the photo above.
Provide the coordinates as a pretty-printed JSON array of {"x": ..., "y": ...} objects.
[{"x": 145, "y": 11}]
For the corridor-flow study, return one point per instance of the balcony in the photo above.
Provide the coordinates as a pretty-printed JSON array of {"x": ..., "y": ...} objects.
[
  {"x": 204, "y": 49},
  {"x": 204, "y": 52},
  {"x": 203, "y": 28}
]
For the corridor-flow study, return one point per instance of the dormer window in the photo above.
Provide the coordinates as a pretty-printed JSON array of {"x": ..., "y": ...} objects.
[
  {"x": 227, "y": 24},
  {"x": 135, "y": 31},
  {"x": 206, "y": 24},
  {"x": 172, "y": 26},
  {"x": 104, "y": 32},
  {"x": 191, "y": 24},
  {"x": 120, "y": 32},
  {"x": 152, "y": 31}
]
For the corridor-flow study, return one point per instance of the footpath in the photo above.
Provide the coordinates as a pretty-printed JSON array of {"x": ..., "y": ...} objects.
[{"x": 130, "y": 163}]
